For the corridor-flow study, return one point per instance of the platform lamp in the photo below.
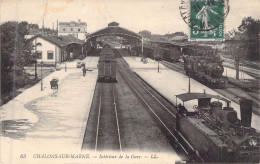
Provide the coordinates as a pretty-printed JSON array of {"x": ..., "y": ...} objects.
[
  {"x": 158, "y": 66},
  {"x": 35, "y": 62},
  {"x": 41, "y": 76},
  {"x": 158, "y": 60},
  {"x": 189, "y": 83}
]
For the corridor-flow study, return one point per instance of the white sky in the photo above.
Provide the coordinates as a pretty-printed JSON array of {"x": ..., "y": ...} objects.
[{"x": 157, "y": 16}]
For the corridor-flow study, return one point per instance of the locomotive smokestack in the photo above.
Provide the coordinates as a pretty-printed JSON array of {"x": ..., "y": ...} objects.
[{"x": 246, "y": 107}]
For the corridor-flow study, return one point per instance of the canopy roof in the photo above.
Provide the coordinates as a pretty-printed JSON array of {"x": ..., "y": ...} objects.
[
  {"x": 172, "y": 43},
  {"x": 191, "y": 96},
  {"x": 60, "y": 41},
  {"x": 115, "y": 31}
]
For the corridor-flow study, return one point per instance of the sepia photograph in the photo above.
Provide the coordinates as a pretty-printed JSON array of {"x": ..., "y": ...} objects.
[{"x": 129, "y": 81}]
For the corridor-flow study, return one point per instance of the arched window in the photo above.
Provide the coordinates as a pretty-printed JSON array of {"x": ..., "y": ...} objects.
[{"x": 39, "y": 44}]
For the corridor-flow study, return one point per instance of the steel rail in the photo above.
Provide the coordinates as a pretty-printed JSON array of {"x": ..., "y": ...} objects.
[
  {"x": 161, "y": 120},
  {"x": 118, "y": 128},
  {"x": 158, "y": 117},
  {"x": 99, "y": 113},
  {"x": 99, "y": 108}
]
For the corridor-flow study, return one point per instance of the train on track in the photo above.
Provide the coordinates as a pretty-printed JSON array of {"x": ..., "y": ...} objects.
[
  {"x": 214, "y": 132},
  {"x": 158, "y": 53},
  {"x": 200, "y": 62},
  {"x": 206, "y": 69},
  {"x": 107, "y": 65}
]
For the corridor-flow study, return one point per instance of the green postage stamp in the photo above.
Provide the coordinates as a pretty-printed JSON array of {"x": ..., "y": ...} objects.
[{"x": 205, "y": 18}]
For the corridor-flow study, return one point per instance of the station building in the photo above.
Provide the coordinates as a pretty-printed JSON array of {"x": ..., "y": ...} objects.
[
  {"x": 76, "y": 29},
  {"x": 53, "y": 49}
]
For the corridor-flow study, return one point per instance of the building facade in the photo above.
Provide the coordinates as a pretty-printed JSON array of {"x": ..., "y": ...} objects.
[
  {"x": 76, "y": 29},
  {"x": 56, "y": 49}
]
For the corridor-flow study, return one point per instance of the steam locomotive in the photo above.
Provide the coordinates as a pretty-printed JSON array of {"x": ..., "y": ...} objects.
[
  {"x": 214, "y": 132},
  {"x": 206, "y": 69}
]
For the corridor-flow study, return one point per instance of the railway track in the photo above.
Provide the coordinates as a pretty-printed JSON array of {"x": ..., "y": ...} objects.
[
  {"x": 249, "y": 67},
  {"x": 253, "y": 64},
  {"x": 174, "y": 66},
  {"x": 104, "y": 134},
  {"x": 161, "y": 110},
  {"x": 251, "y": 72},
  {"x": 108, "y": 131},
  {"x": 228, "y": 92}
]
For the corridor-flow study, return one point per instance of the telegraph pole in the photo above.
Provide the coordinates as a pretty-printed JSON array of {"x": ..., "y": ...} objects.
[
  {"x": 236, "y": 62},
  {"x": 43, "y": 26},
  {"x": 35, "y": 69},
  {"x": 189, "y": 82},
  {"x": 142, "y": 46},
  {"x": 0, "y": 76},
  {"x": 158, "y": 67},
  {"x": 41, "y": 77}
]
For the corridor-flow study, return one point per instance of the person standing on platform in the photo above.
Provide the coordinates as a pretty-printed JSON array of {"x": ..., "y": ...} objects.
[{"x": 84, "y": 70}]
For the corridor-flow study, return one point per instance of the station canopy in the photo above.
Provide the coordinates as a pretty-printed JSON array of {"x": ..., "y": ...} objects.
[
  {"x": 113, "y": 29},
  {"x": 191, "y": 96}
]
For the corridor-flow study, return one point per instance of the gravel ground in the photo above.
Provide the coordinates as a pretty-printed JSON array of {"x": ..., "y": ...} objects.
[{"x": 139, "y": 132}]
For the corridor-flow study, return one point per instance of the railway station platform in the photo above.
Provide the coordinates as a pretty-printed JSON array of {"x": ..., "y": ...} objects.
[
  {"x": 166, "y": 78},
  {"x": 42, "y": 122}
]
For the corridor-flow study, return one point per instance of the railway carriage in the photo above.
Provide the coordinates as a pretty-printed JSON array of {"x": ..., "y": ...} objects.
[
  {"x": 156, "y": 53},
  {"x": 172, "y": 54}
]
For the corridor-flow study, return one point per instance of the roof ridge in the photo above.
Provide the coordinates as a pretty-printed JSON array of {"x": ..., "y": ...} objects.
[{"x": 60, "y": 41}]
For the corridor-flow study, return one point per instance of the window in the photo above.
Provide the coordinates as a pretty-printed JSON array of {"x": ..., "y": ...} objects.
[
  {"x": 64, "y": 29},
  {"x": 78, "y": 29},
  {"x": 50, "y": 55},
  {"x": 39, "y": 54},
  {"x": 71, "y": 29}
]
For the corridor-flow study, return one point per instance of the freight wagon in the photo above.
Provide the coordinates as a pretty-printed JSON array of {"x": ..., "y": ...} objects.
[
  {"x": 107, "y": 70},
  {"x": 107, "y": 51}
]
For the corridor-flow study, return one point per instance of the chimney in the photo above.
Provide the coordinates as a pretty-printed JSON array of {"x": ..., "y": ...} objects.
[
  {"x": 246, "y": 107},
  {"x": 57, "y": 27},
  {"x": 43, "y": 26},
  {"x": 79, "y": 20}
]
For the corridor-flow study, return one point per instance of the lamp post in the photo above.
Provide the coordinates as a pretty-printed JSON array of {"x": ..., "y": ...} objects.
[
  {"x": 158, "y": 66},
  {"x": 41, "y": 77},
  {"x": 35, "y": 68},
  {"x": 189, "y": 82},
  {"x": 65, "y": 66},
  {"x": 35, "y": 62}
]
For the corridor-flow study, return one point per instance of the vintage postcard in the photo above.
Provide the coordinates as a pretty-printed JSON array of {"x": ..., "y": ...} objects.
[{"x": 129, "y": 81}]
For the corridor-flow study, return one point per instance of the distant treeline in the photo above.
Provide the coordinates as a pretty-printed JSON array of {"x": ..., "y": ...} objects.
[{"x": 157, "y": 37}]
